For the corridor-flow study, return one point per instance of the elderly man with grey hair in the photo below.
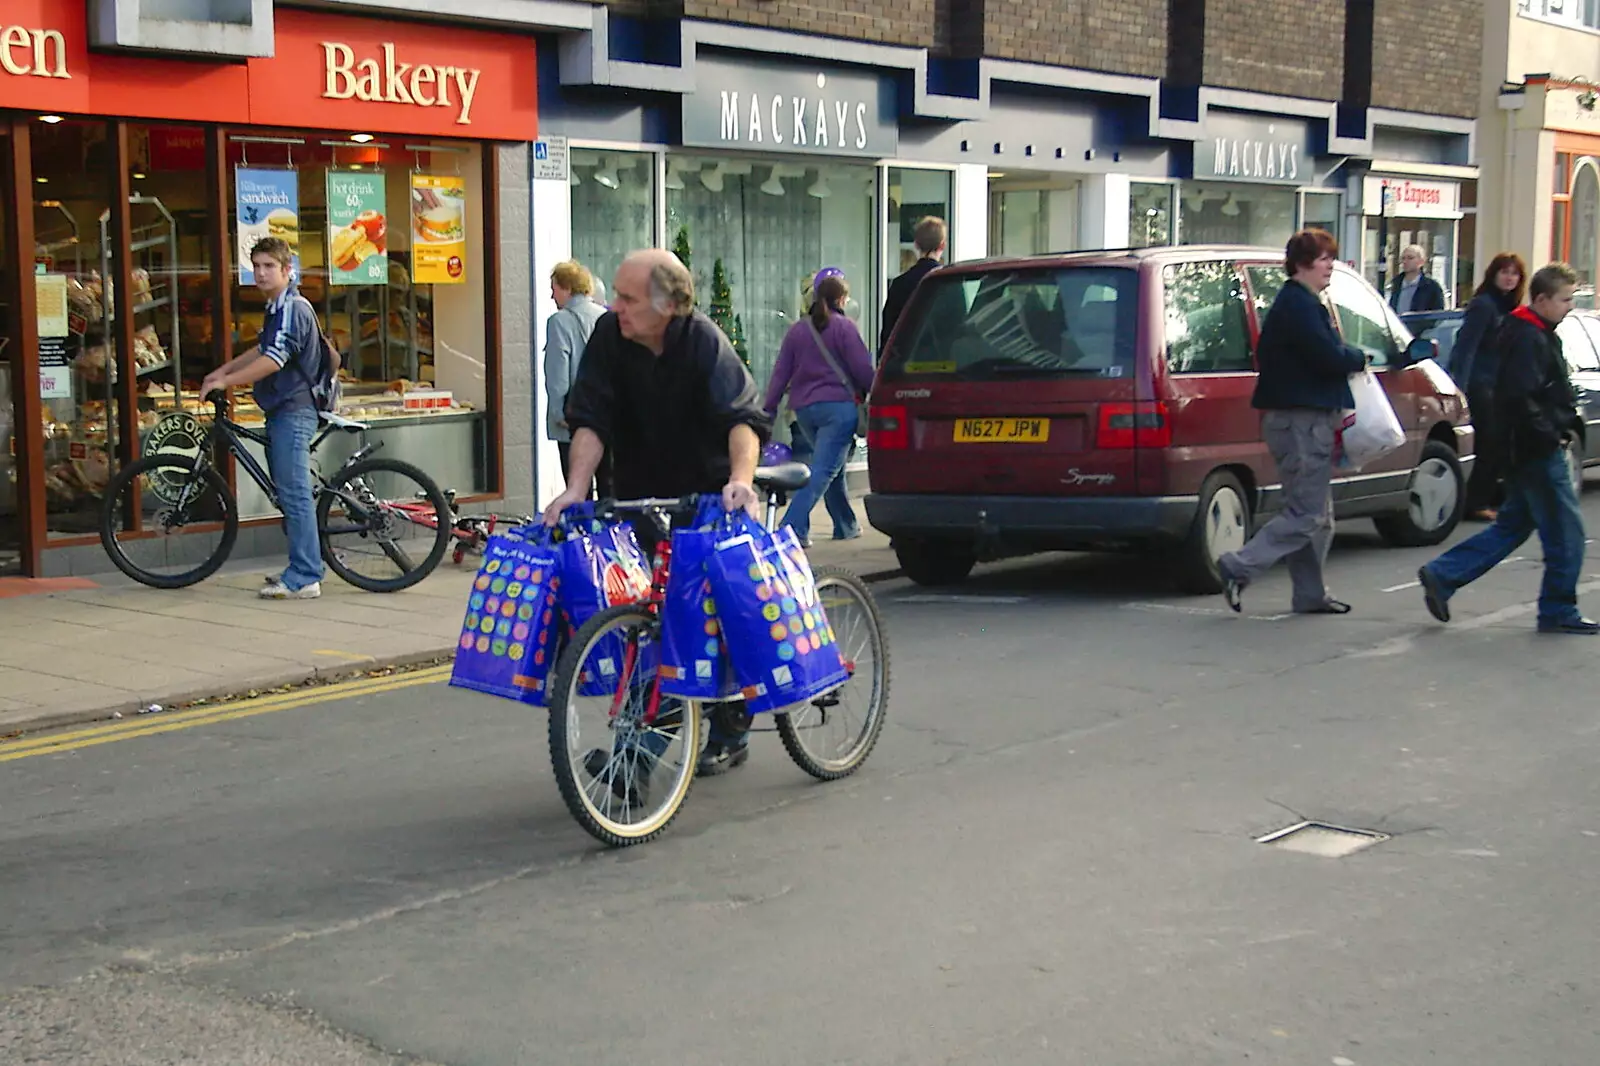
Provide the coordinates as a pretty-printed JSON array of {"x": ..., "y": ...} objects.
[
  {"x": 662, "y": 392},
  {"x": 1413, "y": 290}
]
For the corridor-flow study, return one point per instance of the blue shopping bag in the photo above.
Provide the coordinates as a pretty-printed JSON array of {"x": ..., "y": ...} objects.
[
  {"x": 601, "y": 566},
  {"x": 510, "y": 636},
  {"x": 778, "y": 638},
  {"x": 694, "y": 660}
]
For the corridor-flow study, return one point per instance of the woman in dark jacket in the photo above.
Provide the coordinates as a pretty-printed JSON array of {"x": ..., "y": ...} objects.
[
  {"x": 1474, "y": 364},
  {"x": 1303, "y": 385}
]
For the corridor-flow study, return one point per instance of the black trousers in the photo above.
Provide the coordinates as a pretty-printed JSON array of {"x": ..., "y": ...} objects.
[{"x": 1488, "y": 469}]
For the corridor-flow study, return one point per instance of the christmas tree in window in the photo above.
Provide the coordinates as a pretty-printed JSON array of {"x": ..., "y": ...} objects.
[
  {"x": 721, "y": 312},
  {"x": 680, "y": 247}
]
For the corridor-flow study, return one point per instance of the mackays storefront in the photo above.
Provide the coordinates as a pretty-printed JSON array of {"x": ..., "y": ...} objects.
[{"x": 131, "y": 188}]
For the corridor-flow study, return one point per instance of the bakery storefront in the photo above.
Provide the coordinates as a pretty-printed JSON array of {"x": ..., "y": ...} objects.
[{"x": 134, "y": 187}]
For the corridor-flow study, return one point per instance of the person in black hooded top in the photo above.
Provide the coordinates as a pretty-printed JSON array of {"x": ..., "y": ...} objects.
[{"x": 1474, "y": 364}]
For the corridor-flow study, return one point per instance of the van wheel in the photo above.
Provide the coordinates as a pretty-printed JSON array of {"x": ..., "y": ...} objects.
[
  {"x": 934, "y": 562},
  {"x": 1435, "y": 498},
  {"x": 1221, "y": 524}
]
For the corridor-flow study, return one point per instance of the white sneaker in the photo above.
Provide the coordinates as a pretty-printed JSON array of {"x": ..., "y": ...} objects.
[{"x": 277, "y": 590}]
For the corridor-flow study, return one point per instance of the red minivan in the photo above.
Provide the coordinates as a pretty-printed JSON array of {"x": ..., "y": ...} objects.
[{"x": 1102, "y": 400}]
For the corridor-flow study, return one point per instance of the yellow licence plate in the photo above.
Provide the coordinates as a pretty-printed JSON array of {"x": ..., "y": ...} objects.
[{"x": 1002, "y": 430}]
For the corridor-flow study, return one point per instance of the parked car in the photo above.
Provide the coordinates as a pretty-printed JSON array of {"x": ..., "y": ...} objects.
[
  {"x": 1102, "y": 400},
  {"x": 1580, "y": 341}
]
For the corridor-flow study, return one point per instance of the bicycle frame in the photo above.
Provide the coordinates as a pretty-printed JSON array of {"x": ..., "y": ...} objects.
[{"x": 232, "y": 434}]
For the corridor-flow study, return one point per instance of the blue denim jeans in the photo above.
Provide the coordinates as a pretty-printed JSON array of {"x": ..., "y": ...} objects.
[
  {"x": 1538, "y": 496},
  {"x": 289, "y": 436},
  {"x": 831, "y": 426}
]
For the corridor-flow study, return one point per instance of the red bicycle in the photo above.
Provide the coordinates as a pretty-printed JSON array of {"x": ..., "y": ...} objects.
[
  {"x": 625, "y": 759},
  {"x": 468, "y": 532}
]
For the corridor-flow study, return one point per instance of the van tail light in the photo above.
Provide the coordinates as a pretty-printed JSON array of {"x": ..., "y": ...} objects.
[
  {"x": 1134, "y": 425},
  {"x": 888, "y": 429}
]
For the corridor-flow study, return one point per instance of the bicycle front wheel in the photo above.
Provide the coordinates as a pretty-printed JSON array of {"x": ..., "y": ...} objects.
[
  {"x": 831, "y": 736},
  {"x": 176, "y": 500},
  {"x": 622, "y": 774},
  {"x": 383, "y": 524}
]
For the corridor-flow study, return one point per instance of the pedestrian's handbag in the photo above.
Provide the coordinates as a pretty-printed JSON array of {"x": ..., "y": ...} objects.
[
  {"x": 844, "y": 379},
  {"x": 1371, "y": 430},
  {"x": 778, "y": 637},
  {"x": 694, "y": 659},
  {"x": 601, "y": 566},
  {"x": 511, "y": 634}
]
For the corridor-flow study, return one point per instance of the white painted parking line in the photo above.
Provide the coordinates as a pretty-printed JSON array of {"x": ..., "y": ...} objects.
[
  {"x": 1402, "y": 588},
  {"x": 938, "y": 598}
]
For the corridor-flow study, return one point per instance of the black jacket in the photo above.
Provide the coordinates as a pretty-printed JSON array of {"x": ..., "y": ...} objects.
[
  {"x": 1472, "y": 357},
  {"x": 1534, "y": 398},
  {"x": 1301, "y": 360},
  {"x": 1429, "y": 297},
  {"x": 900, "y": 292},
  {"x": 665, "y": 418}
]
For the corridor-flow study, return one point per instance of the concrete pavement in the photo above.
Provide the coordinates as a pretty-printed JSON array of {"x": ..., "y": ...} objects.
[
  {"x": 1050, "y": 858},
  {"x": 89, "y": 649}
]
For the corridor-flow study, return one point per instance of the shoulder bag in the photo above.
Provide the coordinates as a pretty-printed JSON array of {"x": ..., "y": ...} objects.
[{"x": 844, "y": 379}]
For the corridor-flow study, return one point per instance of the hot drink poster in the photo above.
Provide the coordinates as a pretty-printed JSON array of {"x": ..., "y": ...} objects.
[
  {"x": 358, "y": 232},
  {"x": 266, "y": 204},
  {"x": 438, "y": 229}
]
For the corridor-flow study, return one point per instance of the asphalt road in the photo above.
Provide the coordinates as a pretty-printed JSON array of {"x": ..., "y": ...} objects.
[{"x": 1050, "y": 859}]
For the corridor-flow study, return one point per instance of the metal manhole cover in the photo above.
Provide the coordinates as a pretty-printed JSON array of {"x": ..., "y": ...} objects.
[{"x": 1320, "y": 838}]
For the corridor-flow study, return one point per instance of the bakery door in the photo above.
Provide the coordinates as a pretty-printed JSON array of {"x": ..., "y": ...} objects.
[
  {"x": 10, "y": 477},
  {"x": 72, "y": 168}
]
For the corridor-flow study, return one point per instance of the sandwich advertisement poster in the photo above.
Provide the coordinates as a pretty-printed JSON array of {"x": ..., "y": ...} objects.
[
  {"x": 267, "y": 204},
  {"x": 438, "y": 229},
  {"x": 358, "y": 231}
]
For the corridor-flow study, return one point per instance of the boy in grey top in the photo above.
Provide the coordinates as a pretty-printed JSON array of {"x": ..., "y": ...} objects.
[{"x": 566, "y": 334}]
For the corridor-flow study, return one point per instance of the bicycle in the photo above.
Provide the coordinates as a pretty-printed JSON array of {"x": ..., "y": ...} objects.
[
  {"x": 470, "y": 532},
  {"x": 364, "y": 511},
  {"x": 614, "y": 754}
]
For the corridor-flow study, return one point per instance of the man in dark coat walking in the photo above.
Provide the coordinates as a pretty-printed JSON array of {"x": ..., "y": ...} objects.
[{"x": 929, "y": 237}]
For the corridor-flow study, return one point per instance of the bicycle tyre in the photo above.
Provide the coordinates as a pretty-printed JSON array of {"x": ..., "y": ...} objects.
[
  {"x": 408, "y": 577},
  {"x": 564, "y": 737},
  {"x": 111, "y": 511},
  {"x": 793, "y": 733}
]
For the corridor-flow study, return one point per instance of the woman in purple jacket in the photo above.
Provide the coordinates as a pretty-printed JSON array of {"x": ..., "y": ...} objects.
[{"x": 819, "y": 352}]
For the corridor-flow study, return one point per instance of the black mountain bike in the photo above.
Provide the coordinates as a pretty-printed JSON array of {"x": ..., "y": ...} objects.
[{"x": 382, "y": 523}]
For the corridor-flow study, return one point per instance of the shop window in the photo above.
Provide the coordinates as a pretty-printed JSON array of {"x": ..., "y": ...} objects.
[
  {"x": 1237, "y": 213},
  {"x": 613, "y": 209},
  {"x": 403, "y": 298},
  {"x": 1031, "y": 214},
  {"x": 1320, "y": 210},
  {"x": 913, "y": 196},
  {"x": 1585, "y": 222},
  {"x": 1149, "y": 215},
  {"x": 754, "y": 233},
  {"x": 1206, "y": 330},
  {"x": 1362, "y": 318},
  {"x": 75, "y": 268}
]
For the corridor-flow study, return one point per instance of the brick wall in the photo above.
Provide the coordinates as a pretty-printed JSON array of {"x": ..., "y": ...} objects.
[
  {"x": 906, "y": 22},
  {"x": 1291, "y": 49},
  {"x": 1128, "y": 37},
  {"x": 1427, "y": 57}
]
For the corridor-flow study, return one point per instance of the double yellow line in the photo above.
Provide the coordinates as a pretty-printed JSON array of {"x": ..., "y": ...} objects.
[{"x": 145, "y": 726}]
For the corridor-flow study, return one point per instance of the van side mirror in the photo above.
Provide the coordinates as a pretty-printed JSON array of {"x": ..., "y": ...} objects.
[{"x": 1421, "y": 348}]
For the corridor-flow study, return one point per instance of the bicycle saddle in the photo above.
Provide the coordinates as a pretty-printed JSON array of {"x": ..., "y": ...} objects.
[
  {"x": 785, "y": 477},
  {"x": 346, "y": 424}
]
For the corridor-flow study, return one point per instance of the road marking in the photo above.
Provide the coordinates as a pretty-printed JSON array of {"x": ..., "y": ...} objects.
[
  {"x": 167, "y": 723},
  {"x": 348, "y": 656},
  {"x": 1203, "y": 612},
  {"x": 933, "y": 597},
  {"x": 1402, "y": 588}
]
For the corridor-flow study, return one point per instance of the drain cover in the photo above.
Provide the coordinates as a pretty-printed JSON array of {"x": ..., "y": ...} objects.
[{"x": 1320, "y": 838}]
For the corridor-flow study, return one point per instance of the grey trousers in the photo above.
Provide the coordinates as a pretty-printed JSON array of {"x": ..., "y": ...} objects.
[{"x": 1301, "y": 442}]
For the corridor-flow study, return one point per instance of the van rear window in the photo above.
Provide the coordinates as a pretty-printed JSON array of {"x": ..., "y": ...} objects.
[{"x": 1049, "y": 322}]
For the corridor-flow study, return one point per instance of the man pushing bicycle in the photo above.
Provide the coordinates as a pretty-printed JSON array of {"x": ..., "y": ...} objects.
[{"x": 661, "y": 390}]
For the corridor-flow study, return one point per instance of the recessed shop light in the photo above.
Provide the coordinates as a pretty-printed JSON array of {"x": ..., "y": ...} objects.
[
  {"x": 51, "y": 119},
  {"x": 361, "y": 138},
  {"x": 42, "y": 180},
  {"x": 138, "y": 174},
  {"x": 356, "y": 166}
]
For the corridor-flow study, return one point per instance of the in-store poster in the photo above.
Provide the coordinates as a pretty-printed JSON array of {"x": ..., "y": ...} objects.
[
  {"x": 267, "y": 204},
  {"x": 438, "y": 229},
  {"x": 55, "y": 373},
  {"x": 358, "y": 232}
]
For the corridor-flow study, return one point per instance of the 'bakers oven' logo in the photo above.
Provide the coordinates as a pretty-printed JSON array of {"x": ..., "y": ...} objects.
[{"x": 177, "y": 434}]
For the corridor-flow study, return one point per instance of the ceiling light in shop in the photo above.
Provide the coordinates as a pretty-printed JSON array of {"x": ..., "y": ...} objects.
[
  {"x": 819, "y": 188},
  {"x": 712, "y": 179},
  {"x": 674, "y": 177},
  {"x": 361, "y": 138},
  {"x": 51, "y": 119},
  {"x": 773, "y": 186},
  {"x": 138, "y": 175},
  {"x": 1196, "y": 199},
  {"x": 573, "y": 178},
  {"x": 607, "y": 176},
  {"x": 1231, "y": 208},
  {"x": 42, "y": 180}
]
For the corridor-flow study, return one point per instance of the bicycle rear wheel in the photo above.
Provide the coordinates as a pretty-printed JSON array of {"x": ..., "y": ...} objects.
[
  {"x": 383, "y": 524},
  {"x": 832, "y": 735},
  {"x": 171, "y": 495},
  {"x": 623, "y": 778}
]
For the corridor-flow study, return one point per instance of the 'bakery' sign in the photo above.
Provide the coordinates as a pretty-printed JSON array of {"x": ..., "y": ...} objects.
[
  {"x": 394, "y": 82},
  {"x": 40, "y": 53}
]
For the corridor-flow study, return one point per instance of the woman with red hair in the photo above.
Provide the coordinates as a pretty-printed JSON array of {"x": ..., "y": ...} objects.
[{"x": 1474, "y": 364}]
